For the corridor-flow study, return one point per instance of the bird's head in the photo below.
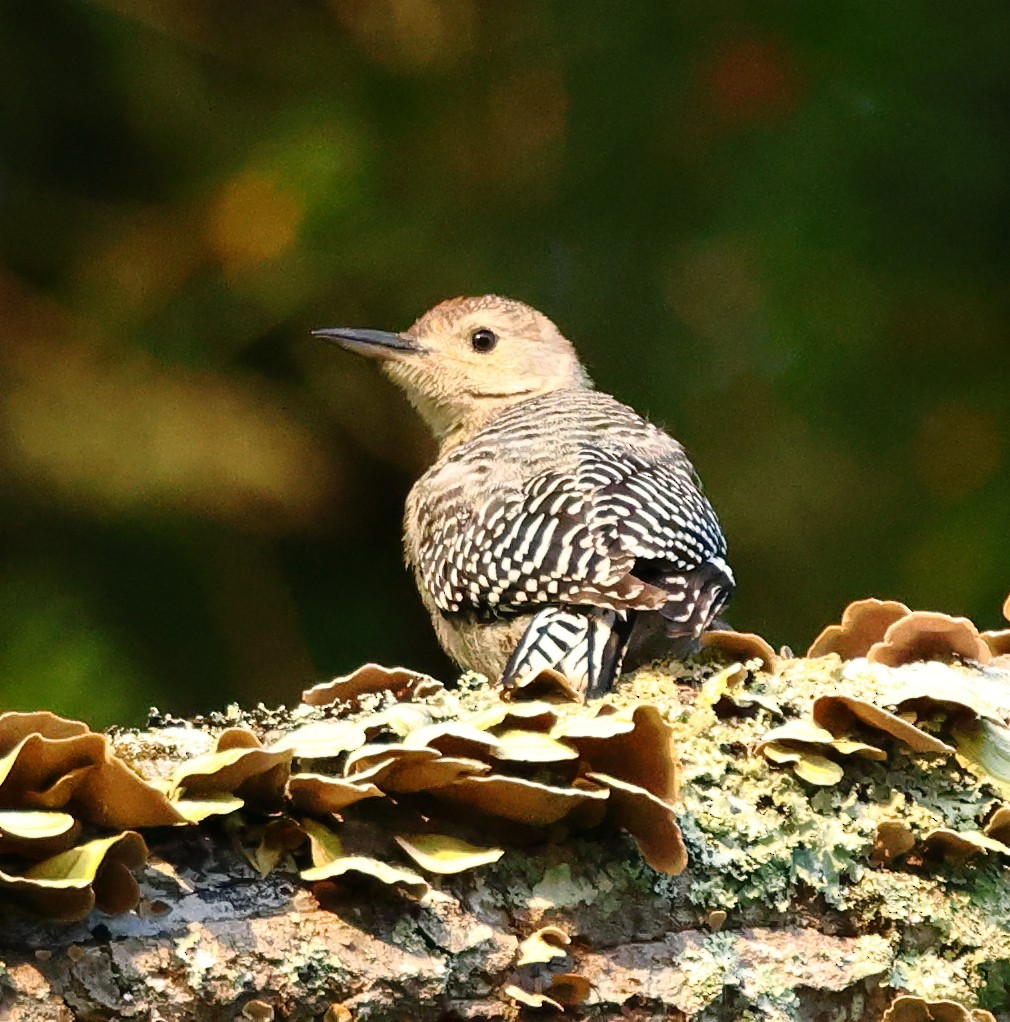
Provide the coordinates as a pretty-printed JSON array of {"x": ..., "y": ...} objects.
[{"x": 469, "y": 358}]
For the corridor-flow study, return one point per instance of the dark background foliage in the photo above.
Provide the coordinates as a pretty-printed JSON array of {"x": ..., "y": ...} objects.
[{"x": 781, "y": 229}]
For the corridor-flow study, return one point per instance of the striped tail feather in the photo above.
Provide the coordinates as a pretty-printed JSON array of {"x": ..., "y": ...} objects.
[
  {"x": 695, "y": 597},
  {"x": 586, "y": 646}
]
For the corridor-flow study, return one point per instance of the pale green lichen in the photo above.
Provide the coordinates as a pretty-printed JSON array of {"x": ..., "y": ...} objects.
[
  {"x": 766, "y": 847},
  {"x": 558, "y": 889},
  {"x": 760, "y": 838}
]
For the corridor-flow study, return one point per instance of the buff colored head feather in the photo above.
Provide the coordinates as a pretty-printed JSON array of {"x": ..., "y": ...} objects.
[{"x": 468, "y": 358}]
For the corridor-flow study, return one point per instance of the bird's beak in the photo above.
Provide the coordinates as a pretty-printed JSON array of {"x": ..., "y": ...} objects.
[{"x": 374, "y": 343}]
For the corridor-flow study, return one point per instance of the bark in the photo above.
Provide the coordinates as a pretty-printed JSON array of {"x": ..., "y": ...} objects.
[{"x": 789, "y": 907}]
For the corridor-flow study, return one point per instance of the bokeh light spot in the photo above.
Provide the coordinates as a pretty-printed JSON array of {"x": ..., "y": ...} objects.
[
  {"x": 251, "y": 220},
  {"x": 751, "y": 80},
  {"x": 408, "y": 34}
]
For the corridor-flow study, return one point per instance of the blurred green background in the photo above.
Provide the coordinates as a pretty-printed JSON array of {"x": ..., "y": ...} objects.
[{"x": 781, "y": 229}]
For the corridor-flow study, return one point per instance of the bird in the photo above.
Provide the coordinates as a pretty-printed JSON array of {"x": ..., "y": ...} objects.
[{"x": 557, "y": 529}]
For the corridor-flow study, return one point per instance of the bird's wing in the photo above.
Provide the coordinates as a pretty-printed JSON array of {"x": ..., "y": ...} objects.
[{"x": 573, "y": 537}]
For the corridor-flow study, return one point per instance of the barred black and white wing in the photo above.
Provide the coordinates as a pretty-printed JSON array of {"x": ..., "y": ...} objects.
[
  {"x": 611, "y": 525},
  {"x": 618, "y": 532}
]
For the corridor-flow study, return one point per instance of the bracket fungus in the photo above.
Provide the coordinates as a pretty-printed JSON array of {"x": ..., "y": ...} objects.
[
  {"x": 727, "y": 691},
  {"x": 925, "y": 635},
  {"x": 863, "y": 623},
  {"x": 634, "y": 745},
  {"x": 650, "y": 820},
  {"x": 918, "y": 1009},
  {"x": 321, "y": 793},
  {"x": 564, "y": 990},
  {"x": 997, "y": 826},
  {"x": 329, "y": 862},
  {"x": 742, "y": 646},
  {"x": 68, "y": 885},
  {"x": 239, "y": 767},
  {"x": 50, "y": 763},
  {"x": 367, "y": 679},
  {"x": 444, "y": 854},
  {"x": 543, "y": 946},
  {"x": 959, "y": 846},
  {"x": 997, "y": 641},
  {"x": 531, "y": 1000},
  {"x": 843, "y": 714},
  {"x": 34, "y": 834},
  {"x": 549, "y": 685},
  {"x": 519, "y": 800},
  {"x": 894, "y": 839},
  {"x": 805, "y": 745},
  {"x": 322, "y": 739}
]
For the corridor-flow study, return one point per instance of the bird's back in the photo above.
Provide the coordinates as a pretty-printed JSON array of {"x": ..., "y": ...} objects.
[{"x": 553, "y": 501}]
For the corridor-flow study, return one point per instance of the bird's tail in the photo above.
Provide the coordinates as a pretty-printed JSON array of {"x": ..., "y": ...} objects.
[
  {"x": 585, "y": 645},
  {"x": 695, "y": 597}
]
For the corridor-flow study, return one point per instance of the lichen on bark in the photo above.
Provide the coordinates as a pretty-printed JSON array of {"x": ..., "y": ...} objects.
[{"x": 789, "y": 907}]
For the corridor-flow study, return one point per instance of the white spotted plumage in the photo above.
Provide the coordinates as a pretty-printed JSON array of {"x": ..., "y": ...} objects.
[{"x": 570, "y": 499}]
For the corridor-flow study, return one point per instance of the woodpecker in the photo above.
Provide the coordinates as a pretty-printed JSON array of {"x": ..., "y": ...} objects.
[{"x": 557, "y": 526}]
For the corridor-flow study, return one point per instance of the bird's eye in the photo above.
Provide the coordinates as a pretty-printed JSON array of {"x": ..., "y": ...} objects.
[{"x": 483, "y": 339}]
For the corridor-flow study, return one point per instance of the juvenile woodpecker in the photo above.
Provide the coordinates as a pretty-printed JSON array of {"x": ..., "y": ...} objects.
[{"x": 557, "y": 525}]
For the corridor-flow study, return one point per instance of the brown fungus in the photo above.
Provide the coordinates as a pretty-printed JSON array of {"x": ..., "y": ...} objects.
[
  {"x": 444, "y": 854},
  {"x": 532, "y": 747},
  {"x": 366, "y": 679},
  {"x": 842, "y": 714},
  {"x": 568, "y": 989},
  {"x": 550, "y": 686},
  {"x": 812, "y": 767},
  {"x": 863, "y": 623},
  {"x": 998, "y": 642},
  {"x": 34, "y": 835},
  {"x": 67, "y": 886},
  {"x": 543, "y": 946},
  {"x": 531, "y": 716},
  {"x": 642, "y": 753},
  {"x": 243, "y": 769},
  {"x": 742, "y": 646},
  {"x": 323, "y": 739},
  {"x": 925, "y": 635},
  {"x": 280, "y": 836},
  {"x": 894, "y": 838},
  {"x": 519, "y": 800},
  {"x": 649, "y": 820},
  {"x": 48, "y": 763},
  {"x": 905, "y": 1008},
  {"x": 727, "y": 689},
  {"x": 404, "y": 776},
  {"x": 804, "y": 744},
  {"x": 998, "y": 825},
  {"x": 531, "y": 1000},
  {"x": 959, "y": 846},
  {"x": 363, "y": 760},
  {"x": 330, "y": 863},
  {"x": 15, "y": 726},
  {"x": 454, "y": 738},
  {"x": 320, "y": 793}
]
